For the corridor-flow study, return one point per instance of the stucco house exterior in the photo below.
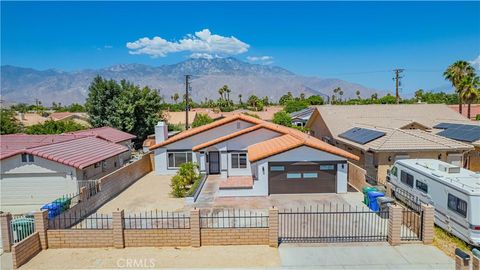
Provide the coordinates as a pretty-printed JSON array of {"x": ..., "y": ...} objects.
[
  {"x": 37, "y": 169},
  {"x": 392, "y": 132},
  {"x": 254, "y": 157}
]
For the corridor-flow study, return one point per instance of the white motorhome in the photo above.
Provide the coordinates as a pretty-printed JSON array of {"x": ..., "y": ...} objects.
[{"x": 454, "y": 191}]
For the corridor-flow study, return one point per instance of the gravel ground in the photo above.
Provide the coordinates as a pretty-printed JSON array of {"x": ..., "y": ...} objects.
[{"x": 139, "y": 258}]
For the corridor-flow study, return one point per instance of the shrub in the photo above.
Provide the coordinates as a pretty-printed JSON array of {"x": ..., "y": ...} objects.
[
  {"x": 201, "y": 119},
  {"x": 186, "y": 176},
  {"x": 295, "y": 105},
  {"x": 282, "y": 118},
  {"x": 477, "y": 117}
]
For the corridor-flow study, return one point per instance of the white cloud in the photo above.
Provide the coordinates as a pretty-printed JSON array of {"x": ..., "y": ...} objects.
[
  {"x": 202, "y": 55},
  {"x": 266, "y": 60},
  {"x": 202, "y": 43},
  {"x": 476, "y": 62}
]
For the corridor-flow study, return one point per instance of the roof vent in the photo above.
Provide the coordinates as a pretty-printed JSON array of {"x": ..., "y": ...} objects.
[{"x": 449, "y": 168}]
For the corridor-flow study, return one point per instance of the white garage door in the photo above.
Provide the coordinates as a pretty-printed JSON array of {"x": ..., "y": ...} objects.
[{"x": 24, "y": 193}]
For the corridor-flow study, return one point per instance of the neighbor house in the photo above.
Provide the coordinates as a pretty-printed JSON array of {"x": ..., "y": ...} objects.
[
  {"x": 109, "y": 134},
  {"x": 77, "y": 117},
  {"x": 37, "y": 169},
  {"x": 380, "y": 134},
  {"x": 254, "y": 157},
  {"x": 300, "y": 118}
]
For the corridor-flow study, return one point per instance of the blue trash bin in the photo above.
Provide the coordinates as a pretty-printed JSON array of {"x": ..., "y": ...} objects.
[
  {"x": 372, "y": 197},
  {"x": 54, "y": 209}
]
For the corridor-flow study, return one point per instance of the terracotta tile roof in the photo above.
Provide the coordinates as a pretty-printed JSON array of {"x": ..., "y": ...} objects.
[
  {"x": 13, "y": 144},
  {"x": 290, "y": 139},
  {"x": 188, "y": 133},
  {"x": 107, "y": 133},
  {"x": 178, "y": 118},
  {"x": 78, "y": 153}
]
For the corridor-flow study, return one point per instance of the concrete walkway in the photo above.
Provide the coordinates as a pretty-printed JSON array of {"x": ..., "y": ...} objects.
[{"x": 364, "y": 256}]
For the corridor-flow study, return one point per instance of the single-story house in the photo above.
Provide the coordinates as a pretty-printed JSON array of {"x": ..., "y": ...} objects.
[
  {"x": 109, "y": 134},
  {"x": 380, "y": 134},
  {"x": 301, "y": 117},
  {"x": 37, "y": 169},
  {"x": 254, "y": 157}
]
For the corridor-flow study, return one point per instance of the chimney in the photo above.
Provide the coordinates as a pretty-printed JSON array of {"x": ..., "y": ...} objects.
[{"x": 161, "y": 132}]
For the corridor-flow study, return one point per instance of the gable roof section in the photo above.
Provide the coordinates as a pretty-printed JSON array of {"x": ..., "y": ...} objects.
[
  {"x": 193, "y": 131},
  {"x": 13, "y": 144},
  {"x": 233, "y": 135},
  {"x": 78, "y": 153},
  {"x": 107, "y": 133}
]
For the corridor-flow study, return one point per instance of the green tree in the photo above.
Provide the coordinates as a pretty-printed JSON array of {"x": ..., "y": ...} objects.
[
  {"x": 315, "y": 100},
  {"x": 282, "y": 118},
  {"x": 455, "y": 73},
  {"x": 295, "y": 105},
  {"x": 388, "y": 99},
  {"x": 358, "y": 94},
  {"x": 54, "y": 127},
  {"x": 266, "y": 101},
  {"x": 175, "y": 97},
  {"x": 186, "y": 175},
  {"x": 283, "y": 99},
  {"x": 253, "y": 101},
  {"x": 102, "y": 96},
  {"x": 201, "y": 119},
  {"x": 136, "y": 110},
  {"x": 8, "y": 123},
  {"x": 240, "y": 99}
]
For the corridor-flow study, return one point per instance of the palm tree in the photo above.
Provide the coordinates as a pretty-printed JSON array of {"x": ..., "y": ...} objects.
[
  {"x": 240, "y": 98},
  {"x": 358, "y": 94},
  {"x": 302, "y": 96},
  {"x": 455, "y": 73},
  {"x": 341, "y": 94},
  {"x": 469, "y": 90},
  {"x": 175, "y": 97}
]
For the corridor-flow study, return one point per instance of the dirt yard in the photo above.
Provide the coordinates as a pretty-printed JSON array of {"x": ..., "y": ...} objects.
[
  {"x": 138, "y": 258},
  {"x": 148, "y": 193}
]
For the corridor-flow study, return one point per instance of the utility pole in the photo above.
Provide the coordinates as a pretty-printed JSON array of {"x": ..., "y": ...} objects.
[
  {"x": 398, "y": 83},
  {"x": 187, "y": 77}
]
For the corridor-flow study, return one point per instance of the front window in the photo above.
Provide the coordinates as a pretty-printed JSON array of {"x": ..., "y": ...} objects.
[
  {"x": 175, "y": 159},
  {"x": 27, "y": 158},
  {"x": 394, "y": 171},
  {"x": 239, "y": 160},
  {"x": 421, "y": 186}
]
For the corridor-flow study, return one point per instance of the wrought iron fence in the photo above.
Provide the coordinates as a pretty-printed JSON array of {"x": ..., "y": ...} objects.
[
  {"x": 412, "y": 225},
  {"x": 21, "y": 226},
  {"x": 332, "y": 223},
  {"x": 92, "y": 187},
  {"x": 157, "y": 220},
  {"x": 233, "y": 218},
  {"x": 407, "y": 199},
  {"x": 80, "y": 220}
]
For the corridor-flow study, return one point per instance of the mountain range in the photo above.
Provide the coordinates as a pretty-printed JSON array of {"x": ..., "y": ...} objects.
[{"x": 20, "y": 84}]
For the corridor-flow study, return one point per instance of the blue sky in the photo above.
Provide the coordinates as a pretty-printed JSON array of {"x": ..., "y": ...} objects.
[{"x": 355, "y": 41}]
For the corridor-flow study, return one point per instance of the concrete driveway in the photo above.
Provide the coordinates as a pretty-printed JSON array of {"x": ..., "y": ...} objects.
[
  {"x": 148, "y": 193},
  {"x": 364, "y": 256}
]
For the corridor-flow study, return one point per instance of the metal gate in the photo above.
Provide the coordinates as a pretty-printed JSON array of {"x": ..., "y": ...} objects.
[
  {"x": 21, "y": 226},
  {"x": 332, "y": 224}
]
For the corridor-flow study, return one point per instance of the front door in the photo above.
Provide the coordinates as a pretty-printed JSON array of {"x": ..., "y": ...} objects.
[{"x": 214, "y": 162}]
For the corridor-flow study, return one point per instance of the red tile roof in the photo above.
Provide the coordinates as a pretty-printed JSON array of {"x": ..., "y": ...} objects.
[
  {"x": 13, "y": 144},
  {"x": 474, "y": 110},
  {"x": 106, "y": 133},
  {"x": 78, "y": 153}
]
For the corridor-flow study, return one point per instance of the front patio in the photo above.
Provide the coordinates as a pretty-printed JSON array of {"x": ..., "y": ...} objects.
[{"x": 209, "y": 197}]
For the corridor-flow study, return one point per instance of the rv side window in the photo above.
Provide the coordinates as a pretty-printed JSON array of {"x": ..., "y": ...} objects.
[
  {"x": 457, "y": 205},
  {"x": 406, "y": 178},
  {"x": 421, "y": 186}
]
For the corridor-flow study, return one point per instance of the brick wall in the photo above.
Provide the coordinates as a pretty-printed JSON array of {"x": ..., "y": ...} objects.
[
  {"x": 110, "y": 186},
  {"x": 80, "y": 238},
  {"x": 157, "y": 238},
  {"x": 234, "y": 236},
  {"x": 25, "y": 250}
]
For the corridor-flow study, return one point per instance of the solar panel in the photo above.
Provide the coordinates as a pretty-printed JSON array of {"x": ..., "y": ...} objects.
[
  {"x": 466, "y": 133},
  {"x": 361, "y": 135},
  {"x": 446, "y": 125}
]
